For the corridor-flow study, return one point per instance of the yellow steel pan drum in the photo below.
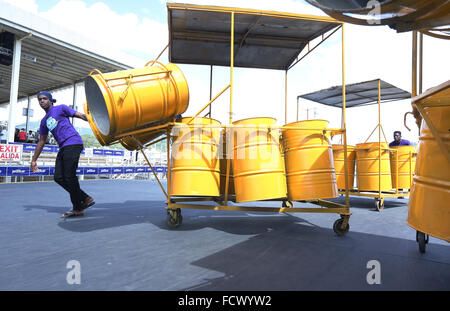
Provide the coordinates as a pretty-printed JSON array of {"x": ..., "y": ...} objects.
[
  {"x": 338, "y": 158},
  {"x": 127, "y": 142},
  {"x": 124, "y": 101},
  {"x": 257, "y": 162},
  {"x": 194, "y": 161},
  {"x": 370, "y": 177},
  {"x": 403, "y": 165},
  {"x": 429, "y": 200},
  {"x": 309, "y": 161}
]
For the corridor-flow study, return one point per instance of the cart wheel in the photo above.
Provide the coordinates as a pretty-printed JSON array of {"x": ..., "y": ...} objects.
[
  {"x": 287, "y": 204},
  {"x": 379, "y": 204},
  {"x": 337, "y": 227},
  {"x": 422, "y": 238},
  {"x": 174, "y": 218}
]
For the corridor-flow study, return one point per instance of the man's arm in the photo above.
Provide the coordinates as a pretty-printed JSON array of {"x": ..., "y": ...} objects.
[
  {"x": 80, "y": 115},
  {"x": 37, "y": 152}
]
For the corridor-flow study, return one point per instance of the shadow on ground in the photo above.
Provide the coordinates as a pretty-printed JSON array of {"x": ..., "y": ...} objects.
[
  {"x": 298, "y": 256},
  {"x": 282, "y": 251}
]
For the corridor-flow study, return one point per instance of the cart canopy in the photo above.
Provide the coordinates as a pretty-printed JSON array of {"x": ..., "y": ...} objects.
[
  {"x": 262, "y": 39},
  {"x": 358, "y": 94}
]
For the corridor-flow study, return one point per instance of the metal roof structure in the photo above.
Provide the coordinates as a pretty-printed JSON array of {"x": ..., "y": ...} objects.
[
  {"x": 262, "y": 39},
  {"x": 357, "y": 94},
  {"x": 46, "y": 63}
]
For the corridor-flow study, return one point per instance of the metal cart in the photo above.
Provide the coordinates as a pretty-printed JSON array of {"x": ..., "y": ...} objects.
[
  {"x": 259, "y": 39},
  {"x": 361, "y": 94}
]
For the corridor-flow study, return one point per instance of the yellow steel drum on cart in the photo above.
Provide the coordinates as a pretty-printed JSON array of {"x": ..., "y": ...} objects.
[
  {"x": 257, "y": 162},
  {"x": 227, "y": 152},
  {"x": 403, "y": 168},
  {"x": 368, "y": 170},
  {"x": 194, "y": 161},
  {"x": 429, "y": 200},
  {"x": 338, "y": 157},
  {"x": 124, "y": 101},
  {"x": 309, "y": 161}
]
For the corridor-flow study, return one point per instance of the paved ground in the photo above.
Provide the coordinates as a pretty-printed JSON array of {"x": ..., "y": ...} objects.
[{"x": 124, "y": 243}]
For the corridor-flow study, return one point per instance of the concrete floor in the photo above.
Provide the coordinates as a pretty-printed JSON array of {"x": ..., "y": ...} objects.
[{"x": 123, "y": 243}]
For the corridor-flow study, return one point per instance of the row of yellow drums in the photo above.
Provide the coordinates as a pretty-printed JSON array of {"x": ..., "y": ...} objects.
[
  {"x": 303, "y": 165},
  {"x": 261, "y": 165},
  {"x": 379, "y": 167}
]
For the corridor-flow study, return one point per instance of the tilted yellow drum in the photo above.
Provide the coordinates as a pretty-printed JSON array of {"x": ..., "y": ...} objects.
[
  {"x": 339, "y": 165},
  {"x": 124, "y": 101},
  {"x": 127, "y": 142},
  {"x": 429, "y": 200},
  {"x": 257, "y": 162},
  {"x": 194, "y": 161},
  {"x": 403, "y": 165},
  {"x": 309, "y": 161},
  {"x": 370, "y": 177}
]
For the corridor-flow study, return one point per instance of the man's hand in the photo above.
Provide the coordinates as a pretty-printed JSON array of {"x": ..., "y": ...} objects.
[
  {"x": 80, "y": 115},
  {"x": 34, "y": 167}
]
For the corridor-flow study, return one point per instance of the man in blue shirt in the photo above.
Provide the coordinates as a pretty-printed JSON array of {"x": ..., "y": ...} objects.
[
  {"x": 56, "y": 121},
  {"x": 398, "y": 141}
]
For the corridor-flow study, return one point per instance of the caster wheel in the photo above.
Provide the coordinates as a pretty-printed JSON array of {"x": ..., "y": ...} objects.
[
  {"x": 422, "y": 238},
  {"x": 337, "y": 227},
  {"x": 379, "y": 204},
  {"x": 174, "y": 218}
]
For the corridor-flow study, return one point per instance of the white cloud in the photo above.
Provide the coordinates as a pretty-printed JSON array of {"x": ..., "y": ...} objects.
[
  {"x": 27, "y": 5},
  {"x": 125, "y": 32}
]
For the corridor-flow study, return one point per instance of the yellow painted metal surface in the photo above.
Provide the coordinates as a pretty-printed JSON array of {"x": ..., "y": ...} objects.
[
  {"x": 429, "y": 207},
  {"x": 369, "y": 175},
  {"x": 257, "y": 162},
  {"x": 143, "y": 138},
  {"x": 123, "y": 101},
  {"x": 403, "y": 165},
  {"x": 309, "y": 161},
  {"x": 126, "y": 142},
  {"x": 227, "y": 153},
  {"x": 338, "y": 158},
  {"x": 194, "y": 160}
]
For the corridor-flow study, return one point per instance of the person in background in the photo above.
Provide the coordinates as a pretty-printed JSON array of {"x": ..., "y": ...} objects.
[
  {"x": 398, "y": 141},
  {"x": 16, "y": 135},
  {"x": 56, "y": 121},
  {"x": 22, "y": 136},
  {"x": 30, "y": 137},
  {"x": 3, "y": 135}
]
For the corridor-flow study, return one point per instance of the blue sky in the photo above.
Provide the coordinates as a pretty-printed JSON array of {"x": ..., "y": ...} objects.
[{"x": 153, "y": 9}]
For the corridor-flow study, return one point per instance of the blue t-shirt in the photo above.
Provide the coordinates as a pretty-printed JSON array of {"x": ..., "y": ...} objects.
[
  {"x": 402, "y": 142},
  {"x": 57, "y": 122}
]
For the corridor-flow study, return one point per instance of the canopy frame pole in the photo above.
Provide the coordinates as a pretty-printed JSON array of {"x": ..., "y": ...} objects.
[
  {"x": 379, "y": 139},
  {"x": 285, "y": 95},
  {"x": 309, "y": 51},
  {"x": 209, "y": 104},
  {"x": 344, "y": 125},
  {"x": 231, "y": 66},
  {"x": 148, "y": 162}
]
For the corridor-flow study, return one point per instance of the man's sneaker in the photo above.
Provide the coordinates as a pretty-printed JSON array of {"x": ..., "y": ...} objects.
[{"x": 89, "y": 201}]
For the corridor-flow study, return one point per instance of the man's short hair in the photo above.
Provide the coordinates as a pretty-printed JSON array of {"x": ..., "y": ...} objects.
[{"x": 398, "y": 132}]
